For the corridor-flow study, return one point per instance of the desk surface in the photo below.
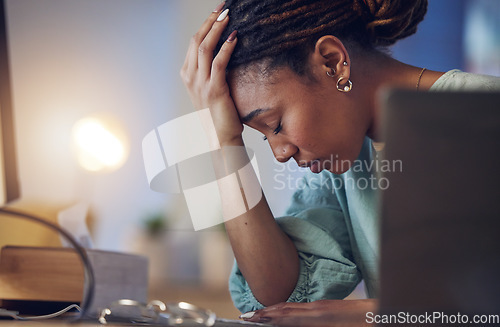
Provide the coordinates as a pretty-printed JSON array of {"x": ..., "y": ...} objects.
[
  {"x": 216, "y": 299},
  {"x": 56, "y": 323},
  {"x": 46, "y": 323}
]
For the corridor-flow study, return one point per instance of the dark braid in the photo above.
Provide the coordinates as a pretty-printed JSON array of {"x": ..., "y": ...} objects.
[
  {"x": 389, "y": 21},
  {"x": 284, "y": 32}
]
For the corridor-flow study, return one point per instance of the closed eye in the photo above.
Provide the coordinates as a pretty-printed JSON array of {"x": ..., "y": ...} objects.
[
  {"x": 275, "y": 132},
  {"x": 278, "y": 129}
]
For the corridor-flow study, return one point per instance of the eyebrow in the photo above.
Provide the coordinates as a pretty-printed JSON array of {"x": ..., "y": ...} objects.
[{"x": 253, "y": 114}]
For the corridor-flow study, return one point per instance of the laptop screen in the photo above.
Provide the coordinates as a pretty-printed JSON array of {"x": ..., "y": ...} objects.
[{"x": 440, "y": 216}]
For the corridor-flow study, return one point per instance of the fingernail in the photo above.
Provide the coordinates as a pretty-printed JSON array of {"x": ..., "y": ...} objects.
[
  {"x": 247, "y": 315},
  {"x": 219, "y": 6},
  {"x": 232, "y": 36},
  {"x": 222, "y": 15}
]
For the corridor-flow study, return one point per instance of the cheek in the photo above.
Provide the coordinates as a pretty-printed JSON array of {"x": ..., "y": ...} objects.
[
  {"x": 304, "y": 129},
  {"x": 306, "y": 137},
  {"x": 298, "y": 129}
]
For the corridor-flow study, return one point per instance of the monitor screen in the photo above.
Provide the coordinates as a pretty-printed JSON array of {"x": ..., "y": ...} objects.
[{"x": 9, "y": 185}]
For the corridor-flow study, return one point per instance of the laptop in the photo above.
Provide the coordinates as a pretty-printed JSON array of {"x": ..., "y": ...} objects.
[{"x": 440, "y": 215}]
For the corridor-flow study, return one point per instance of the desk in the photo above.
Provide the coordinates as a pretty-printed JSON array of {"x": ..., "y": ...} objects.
[
  {"x": 55, "y": 323},
  {"x": 216, "y": 299},
  {"x": 16, "y": 323}
]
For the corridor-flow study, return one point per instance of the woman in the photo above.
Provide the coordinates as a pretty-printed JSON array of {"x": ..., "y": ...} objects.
[{"x": 306, "y": 73}]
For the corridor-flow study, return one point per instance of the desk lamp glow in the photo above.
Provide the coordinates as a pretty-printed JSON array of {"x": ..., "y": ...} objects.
[{"x": 100, "y": 144}]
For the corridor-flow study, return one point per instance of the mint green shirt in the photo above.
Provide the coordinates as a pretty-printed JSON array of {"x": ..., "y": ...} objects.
[{"x": 333, "y": 221}]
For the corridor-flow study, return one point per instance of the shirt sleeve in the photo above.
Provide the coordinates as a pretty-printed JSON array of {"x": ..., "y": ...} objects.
[{"x": 316, "y": 225}]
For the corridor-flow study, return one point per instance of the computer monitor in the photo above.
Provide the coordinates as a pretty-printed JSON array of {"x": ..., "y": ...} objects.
[{"x": 9, "y": 184}]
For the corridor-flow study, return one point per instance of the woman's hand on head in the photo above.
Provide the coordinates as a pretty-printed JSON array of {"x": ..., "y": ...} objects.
[
  {"x": 204, "y": 75},
  {"x": 317, "y": 313}
]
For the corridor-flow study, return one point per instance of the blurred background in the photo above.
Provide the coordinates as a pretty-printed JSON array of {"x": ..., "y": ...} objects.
[{"x": 119, "y": 61}]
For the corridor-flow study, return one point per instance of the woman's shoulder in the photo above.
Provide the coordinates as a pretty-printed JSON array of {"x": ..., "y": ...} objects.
[{"x": 457, "y": 80}]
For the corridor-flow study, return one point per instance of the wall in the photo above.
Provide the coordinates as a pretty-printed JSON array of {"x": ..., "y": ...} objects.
[
  {"x": 75, "y": 58},
  {"x": 438, "y": 43}
]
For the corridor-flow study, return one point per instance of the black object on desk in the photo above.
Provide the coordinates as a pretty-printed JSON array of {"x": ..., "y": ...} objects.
[{"x": 440, "y": 248}]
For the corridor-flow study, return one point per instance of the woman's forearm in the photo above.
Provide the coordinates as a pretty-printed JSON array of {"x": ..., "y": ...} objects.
[{"x": 265, "y": 255}]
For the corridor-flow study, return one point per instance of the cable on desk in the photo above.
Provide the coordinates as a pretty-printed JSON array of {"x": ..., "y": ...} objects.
[
  {"x": 88, "y": 290},
  {"x": 16, "y": 315}
]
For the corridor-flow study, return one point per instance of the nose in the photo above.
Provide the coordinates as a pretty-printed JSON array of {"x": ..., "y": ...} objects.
[{"x": 283, "y": 151}]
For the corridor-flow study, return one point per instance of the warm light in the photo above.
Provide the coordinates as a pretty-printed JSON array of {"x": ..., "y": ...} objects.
[{"x": 98, "y": 146}]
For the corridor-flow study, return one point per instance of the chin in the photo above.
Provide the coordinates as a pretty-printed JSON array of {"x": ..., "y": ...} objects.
[{"x": 337, "y": 172}]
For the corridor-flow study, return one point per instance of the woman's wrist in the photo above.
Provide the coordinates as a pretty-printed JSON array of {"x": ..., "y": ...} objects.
[{"x": 231, "y": 141}]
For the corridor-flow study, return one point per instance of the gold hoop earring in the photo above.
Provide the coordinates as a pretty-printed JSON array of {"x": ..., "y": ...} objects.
[
  {"x": 345, "y": 88},
  {"x": 332, "y": 74}
]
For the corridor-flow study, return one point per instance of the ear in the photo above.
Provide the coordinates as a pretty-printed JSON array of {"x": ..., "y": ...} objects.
[{"x": 330, "y": 53}]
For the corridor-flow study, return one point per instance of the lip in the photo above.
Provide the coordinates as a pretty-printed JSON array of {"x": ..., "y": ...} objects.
[
  {"x": 316, "y": 167},
  {"x": 309, "y": 164}
]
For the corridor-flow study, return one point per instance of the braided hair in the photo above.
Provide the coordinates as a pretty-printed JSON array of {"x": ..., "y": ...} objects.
[{"x": 284, "y": 32}]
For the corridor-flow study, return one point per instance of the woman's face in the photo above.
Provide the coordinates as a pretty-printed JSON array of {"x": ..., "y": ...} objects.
[{"x": 312, "y": 122}]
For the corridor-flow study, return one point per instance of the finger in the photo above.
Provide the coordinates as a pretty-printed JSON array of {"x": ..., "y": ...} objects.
[
  {"x": 276, "y": 310},
  {"x": 207, "y": 46},
  {"x": 191, "y": 61},
  {"x": 259, "y": 313},
  {"x": 221, "y": 60},
  {"x": 278, "y": 314},
  {"x": 284, "y": 305}
]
